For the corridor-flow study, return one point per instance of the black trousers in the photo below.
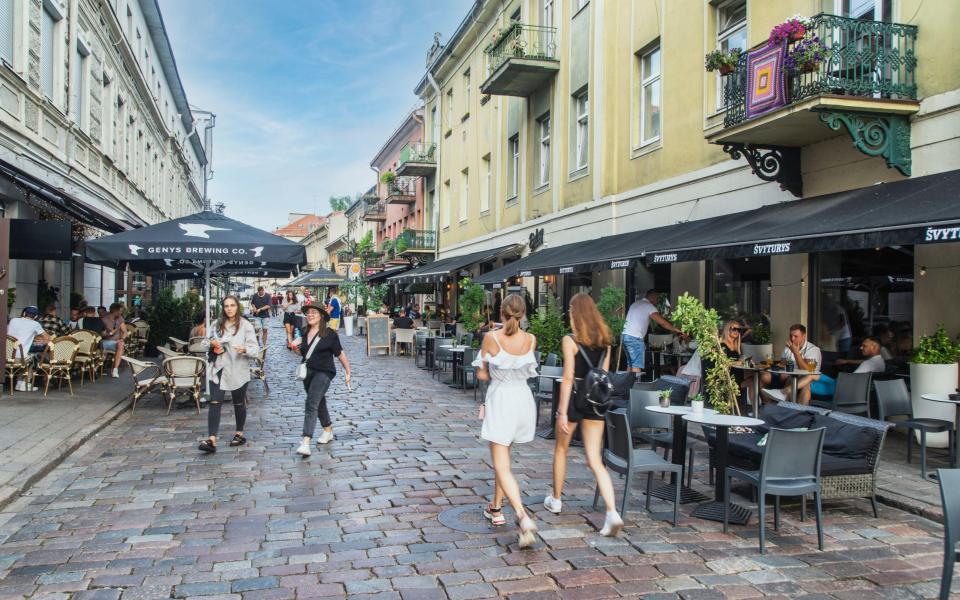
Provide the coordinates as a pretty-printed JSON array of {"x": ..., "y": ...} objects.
[
  {"x": 316, "y": 385},
  {"x": 238, "y": 396}
]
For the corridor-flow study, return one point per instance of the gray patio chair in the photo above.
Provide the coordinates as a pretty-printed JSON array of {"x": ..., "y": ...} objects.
[
  {"x": 950, "y": 500},
  {"x": 659, "y": 426},
  {"x": 466, "y": 368},
  {"x": 851, "y": 396},
  {"x": 442, "y": 355},
  {"x": 621, "y": 457},
  {"x": 420, "y": 347},
  {"x": 893, "y": 400},
  {"x": 543, "y": 392},
  {"x": 790, "y": 467},
  {"x": 552, "y": 360}
]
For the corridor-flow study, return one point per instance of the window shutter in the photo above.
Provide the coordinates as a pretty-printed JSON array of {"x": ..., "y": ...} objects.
[
  {"x": 6, "y": 30},
  {"x": 46, "y": 53}
]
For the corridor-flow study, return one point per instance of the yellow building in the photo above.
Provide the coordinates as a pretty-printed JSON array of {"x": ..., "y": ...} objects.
[{"x": 559, "y": 122}]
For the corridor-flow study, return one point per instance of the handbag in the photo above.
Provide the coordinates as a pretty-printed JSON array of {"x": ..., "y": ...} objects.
[{"x": 302, "y": 367}]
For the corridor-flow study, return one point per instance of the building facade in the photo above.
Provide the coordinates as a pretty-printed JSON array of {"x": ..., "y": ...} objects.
[
  {"x": 549, "y": 122},
  {"x": 299, "y": 226},
  {"x": 95, "y": 129}
]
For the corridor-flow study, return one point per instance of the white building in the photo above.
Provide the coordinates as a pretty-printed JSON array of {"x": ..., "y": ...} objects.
[{"x": 95, "y": 128}]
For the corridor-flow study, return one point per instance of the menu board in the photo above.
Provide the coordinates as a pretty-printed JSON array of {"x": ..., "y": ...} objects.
[{"x": 378, "y": 333}]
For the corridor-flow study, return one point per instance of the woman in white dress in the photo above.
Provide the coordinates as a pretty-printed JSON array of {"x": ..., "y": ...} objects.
[{"x": 509, "y": 412}]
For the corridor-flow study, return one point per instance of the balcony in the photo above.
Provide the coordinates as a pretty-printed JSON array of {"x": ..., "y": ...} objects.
[
  {"x": 416, "y": 241},
  {"x": 417, "y": 159},
  {"x": 375, "y": 212},
  {"x": 521, "y": 59},
  {"x": 402, "y": 190},
  {"x": 865, "y": 85}
]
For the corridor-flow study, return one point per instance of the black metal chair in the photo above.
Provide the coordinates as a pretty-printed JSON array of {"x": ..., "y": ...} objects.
[
  {"x": 621, "y": 457},
  {"x": 420, "y": 348},
  {"x": 893, "y": 400},
  {"x": 790, "y": 467},
  {"x": 442, "y": 356},
  {"x": 950, "y": 500},
  {"x": 552, "y": 360}
]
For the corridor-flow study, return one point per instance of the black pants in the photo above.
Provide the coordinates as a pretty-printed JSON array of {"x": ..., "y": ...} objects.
[
  {"x": 316, "y": 385},
  {"x": 238, "y": 396}
]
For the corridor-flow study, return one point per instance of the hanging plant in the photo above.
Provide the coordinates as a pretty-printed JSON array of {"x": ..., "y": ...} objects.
[
  {"x": 792, "y": 30},
  {"x": 388, "y": 177},
  {"x": 694, "y": 319},
  {"x": 805, "y": 56},
  {"x": 725, "y": 62}
]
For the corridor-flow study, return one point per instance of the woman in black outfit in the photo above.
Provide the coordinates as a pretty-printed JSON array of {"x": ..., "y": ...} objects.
[{"x": 318, "y": 347}]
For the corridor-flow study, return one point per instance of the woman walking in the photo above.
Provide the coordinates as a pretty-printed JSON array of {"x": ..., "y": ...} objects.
[
  {"x": 291, "y": 306},
  {"x": 232, "y": 342},
  {"x": 318, "y": 347},
  {"x": 509, "y": 412},
  {"x": 587, "y": 347}
]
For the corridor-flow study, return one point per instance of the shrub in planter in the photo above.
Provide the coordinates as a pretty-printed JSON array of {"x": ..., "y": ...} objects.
[
  {"x": 792, "y": 30},
  {"x": 759, "y": 347},
  {"x": 549, "y": 328},
  {"x": 719, "y": 386},
  {"x": 933, "y": 370},
  {"x": 611, "y": 307}
]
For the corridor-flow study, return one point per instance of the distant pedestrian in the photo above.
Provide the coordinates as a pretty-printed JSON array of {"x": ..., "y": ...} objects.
[
  {"x": 260, "y": 308},
  {"x": 114, "y": 334},
  {"x": 319, "y": 346},
  {"x": 333, "y": 307},
  {"x": 291, "y": 308},
  {"x": 587, "y": 348},
  {"x": 232, "y": 343},
  {"x": 509, "y": 411}
]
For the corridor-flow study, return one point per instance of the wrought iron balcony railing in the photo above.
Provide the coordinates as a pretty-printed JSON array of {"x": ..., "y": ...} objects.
[
  {"x": 418, "y": 152},
  {"x": 418, "y": 239},
  {"x": 402, "y": 190},
  {"x": 521, "y": 41},
  {"x": 867, "y": 59},
  {"x": 375, "y": 212}
]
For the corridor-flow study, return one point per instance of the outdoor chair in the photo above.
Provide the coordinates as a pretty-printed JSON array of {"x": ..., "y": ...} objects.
[
  {"x": 852, "y": 394},
  {"x": 184, "y": 373},
  {"x": 435, "y": 326},
  {"x": 468, "y": 340},
  {"x": 442, "y": 355},
  {"x": 403, "y": 336},
  {"x": 198, "y": 346},
  {"x": 552, "y": 360},
  {"x": 621, "y": 457},
  {"x": 539, "y": 356},
  {"x": 950, "y": 501},
  {"x": 420, "y": 347},
  {"x": 62, "y": 352},
  {"x": 146, "y": 377},
  {"x": 86, "y": 361},
  {"x": 466, "y": 368},
  {"x": 178, "y": 344},
  {"x": 790, "y": 467},
  {"x": 18, "y": 362},
  {"x": 167, "y": 352},
  {"x": 893, "y": 400},
  {"x": 544, "y": 388},
  {"x": 257, "y": 370},
  {"x": 655, "y": 429}
]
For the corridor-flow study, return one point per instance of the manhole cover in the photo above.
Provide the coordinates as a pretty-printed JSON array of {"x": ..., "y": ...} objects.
[{"x": 469, "y": 519}]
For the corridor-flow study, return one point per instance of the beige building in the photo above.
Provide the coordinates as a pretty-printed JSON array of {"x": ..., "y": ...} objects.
[{"x": 553, "y": 122}]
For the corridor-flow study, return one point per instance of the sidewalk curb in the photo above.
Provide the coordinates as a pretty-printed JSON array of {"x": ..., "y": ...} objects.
[
  {"x": 910, "y": 506},
  {"x": 21, "y": 484}
]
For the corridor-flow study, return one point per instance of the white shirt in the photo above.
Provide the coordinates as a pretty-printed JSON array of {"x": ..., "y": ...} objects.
[
  {"x": 638, "y": 318},
  {"x": 885, "y": 354},
  {"x": 808, "y": 351},
  {"x": 874, "y": 364},
  {"x": 24, "y": 330}
]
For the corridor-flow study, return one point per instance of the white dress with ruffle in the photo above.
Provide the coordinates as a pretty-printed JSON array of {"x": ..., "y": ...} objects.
[{"x": 510, "y": 414}]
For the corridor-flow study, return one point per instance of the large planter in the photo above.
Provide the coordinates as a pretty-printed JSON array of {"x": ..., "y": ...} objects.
[
  {"x": 348, "y": 325},
  {"x": 758, "y": 352},
  {"x": 933, "y": 379}
]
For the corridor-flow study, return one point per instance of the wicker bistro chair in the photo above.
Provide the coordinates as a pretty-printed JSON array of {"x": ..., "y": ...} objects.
[
  {"x": 179, "y": 345},
  {"x": 167, "y": 352},
  {"x": 184, "y": 373},
  {"x": 17, "y": 363},
  {"x": 257, "y": 370},
  {"x": 198, "y": 346},
  {"x": 85, "y": 361},
  {"x": 62, "y": 352},
  {"x": 146, "y": 377}
]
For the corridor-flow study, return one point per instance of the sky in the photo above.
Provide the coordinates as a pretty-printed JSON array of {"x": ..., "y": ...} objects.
[{"x": 305, "y": 92}]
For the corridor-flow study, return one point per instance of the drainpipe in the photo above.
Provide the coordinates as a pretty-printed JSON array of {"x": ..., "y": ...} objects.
[
  {"x": 377, "y": 171},
  {"x": 436, "y": 188}
]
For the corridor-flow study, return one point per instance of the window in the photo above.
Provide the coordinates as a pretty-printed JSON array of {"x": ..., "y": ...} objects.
[
  {"x": 547, "y": 13},
  {"x": 129, "y": 22},
  {"x": 434, "y": 126},
  {"x": 731, "y": 33},
  {"x": 79, "y": 86},
  {"x": 445, "y": 211},
  {"x": 6, "y": 30},
  {"x": 464, "y": 193},
  {"x": 448, "y": 120},
  {"x": 581, "y": 105},
  {"x": 650, "y": 96},
  {"x": 48, "y": 33},
  {"x": 741, "y": 287},
  {"x": 106, "y": 118},
  {"x": 513, "y": 169},
  {"x": 466, "y": 92},
  {"x": 486, "y": 184},
  {"x": 543, "y": 173}
]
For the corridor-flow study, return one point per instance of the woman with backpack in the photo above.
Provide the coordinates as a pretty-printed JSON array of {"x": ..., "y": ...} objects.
[
  {"x": 509, "y": 412},
  {"x": 584, "y": 352}
]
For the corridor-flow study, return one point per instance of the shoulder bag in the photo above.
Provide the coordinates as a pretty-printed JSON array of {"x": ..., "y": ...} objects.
[{"x": 302, "y": 367}]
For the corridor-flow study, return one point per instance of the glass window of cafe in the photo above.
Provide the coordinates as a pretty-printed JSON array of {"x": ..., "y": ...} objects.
[
  {"x": 861, "y": 293},
  {"x": 740, "y": 288}
]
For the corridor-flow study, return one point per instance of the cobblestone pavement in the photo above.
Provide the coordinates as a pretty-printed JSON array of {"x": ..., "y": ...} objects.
[{"x": 139, "y": 513}]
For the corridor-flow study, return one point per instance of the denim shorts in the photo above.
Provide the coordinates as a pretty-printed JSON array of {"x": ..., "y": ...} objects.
[
  {"x": 109, "y": 344},
  {"x": 636, "y": 351}
]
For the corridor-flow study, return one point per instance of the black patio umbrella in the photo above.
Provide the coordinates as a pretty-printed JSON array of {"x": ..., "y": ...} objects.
[{"x": 322, "y": 277}]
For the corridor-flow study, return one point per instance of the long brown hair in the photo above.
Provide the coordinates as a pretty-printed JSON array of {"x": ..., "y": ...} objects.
[
  {"x": 588, "y": 326},
  {"x": 512, "y": 309},
  {"x": 290, "y": 297},
  {"x": 222, "y": 321}
]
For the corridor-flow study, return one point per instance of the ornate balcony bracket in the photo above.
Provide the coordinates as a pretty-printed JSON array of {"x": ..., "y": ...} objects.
[
  {"x": 771, "y": 163},
  {"x": 874, "y": 135}
]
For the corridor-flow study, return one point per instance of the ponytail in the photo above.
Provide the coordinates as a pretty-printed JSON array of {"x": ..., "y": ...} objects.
[
  {"x": 512, "y": 310},
  {"x": 511, "y": 325}
]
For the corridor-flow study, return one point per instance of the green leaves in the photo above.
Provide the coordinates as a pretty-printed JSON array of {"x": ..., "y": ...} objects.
[
  {"x": 611, "y": 306},
  {"x": 937, "y": 349},
  {"x": 470, "y": 303},
  {"x": 549, "y": 328},
  {"x": 694, "y": 319},
  {"x": 760, "y": 334}
]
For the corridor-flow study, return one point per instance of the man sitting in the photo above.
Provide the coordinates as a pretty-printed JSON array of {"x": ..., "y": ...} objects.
[
  {"x": 872, "y": 361},
  {"x": 52, "y": 323},
  {"x": 802, "y": 353},
  {"x": 114, "y": 332},
  {"x": 403, "y": 321},
  {"x": 90, "y": 321}
]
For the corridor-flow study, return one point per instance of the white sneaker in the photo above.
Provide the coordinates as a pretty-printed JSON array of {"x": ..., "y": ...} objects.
[
  {"x": 21, "y": 386},
  {"x": 115, "y": 373},
  {"x": 554, "y": 505},
  {"x": 612, "y": 524},
  {"x": 326, "y": 437},
  {"x": 304, "y": 449}
]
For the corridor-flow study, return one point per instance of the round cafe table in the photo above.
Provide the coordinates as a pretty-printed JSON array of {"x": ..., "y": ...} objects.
[
  {"x": 667, "y": 491},
  {"x": 945, "y": 398},
  {"x": 713, "y": 511}
]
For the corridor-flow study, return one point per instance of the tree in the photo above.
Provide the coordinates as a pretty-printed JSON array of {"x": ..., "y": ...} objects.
[{"x": 340, "y": 203}]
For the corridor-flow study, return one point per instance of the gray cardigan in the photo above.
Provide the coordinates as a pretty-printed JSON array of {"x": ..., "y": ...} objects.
[{"x": 231, "y": 370}]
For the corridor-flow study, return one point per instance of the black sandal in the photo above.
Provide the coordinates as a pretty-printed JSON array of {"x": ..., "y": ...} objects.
[
  {"x": 238, "y": 440},
  {"x": 207, "y": 446}
]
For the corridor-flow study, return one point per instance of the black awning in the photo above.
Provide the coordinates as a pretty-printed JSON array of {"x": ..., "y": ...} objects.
[
  {"x": 440, "y": 269},
  {"x": 498, "y": 276},
  {"x": 384, "y": 274}
]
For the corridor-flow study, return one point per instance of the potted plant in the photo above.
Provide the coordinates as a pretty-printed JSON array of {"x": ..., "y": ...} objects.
[
  {"x": 696, "y": 403},
  {"x": 611, "y": 306},
  {"x": 760, "y": 349},
  {"x": 665, "y": 398},
  {"x": 933, "y": 370},
  {"x": 805, "y": 56},
  {"x": 792, "y": 30},
  {"x": 388, "y": 177},
  {"x": 549, "y": 328},
  {"x": 725, "y": 62}
]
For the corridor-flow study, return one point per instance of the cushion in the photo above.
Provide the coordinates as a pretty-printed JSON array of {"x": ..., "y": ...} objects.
[
  {"x": 831, "y": 464},
  {"x": 766, "y": 85},
  {"x": 622, "y": 382},
  {"x": 782, "y": 417},
  {"x": 844, "y": 439}
]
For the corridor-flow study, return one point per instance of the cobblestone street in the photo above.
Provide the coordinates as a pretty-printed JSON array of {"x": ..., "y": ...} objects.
[{"x": 385, "y": 511}]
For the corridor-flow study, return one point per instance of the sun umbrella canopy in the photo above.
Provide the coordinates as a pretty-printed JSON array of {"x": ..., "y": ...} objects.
[{"x": 320, "y": 277}]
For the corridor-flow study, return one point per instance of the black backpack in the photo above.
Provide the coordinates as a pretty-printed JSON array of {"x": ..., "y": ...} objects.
[{"x": 594, "y": 393}]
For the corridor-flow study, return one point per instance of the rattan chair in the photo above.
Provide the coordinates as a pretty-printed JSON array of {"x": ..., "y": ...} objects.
[
  {"x": 62, "y": 352},
  {"x": 167, "y": 352},
  {"x": 88, "y": 343},
  {"x": 146, "y": 377},
  {"x": 257, "y": 370},
  {"x": 179, "y": 345},
  {"x": 18, "y": 363},
  {"x": 184, "y": 373}
]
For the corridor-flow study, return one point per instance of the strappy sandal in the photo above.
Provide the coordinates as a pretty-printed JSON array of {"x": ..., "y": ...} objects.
[
  {"x": 238, "y": 440},
  {"x": 495, "y": 515},
  {"x": 207, "y": 446},
  {"x": 526, "y": 536}
]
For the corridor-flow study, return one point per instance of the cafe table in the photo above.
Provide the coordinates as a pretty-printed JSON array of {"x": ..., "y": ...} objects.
[
  {"x": 666, "y": 491},
  {"x": 713, "y": 511},
  {"x": 793, "y": 375},
  {"x": 457, "y": 355},
  {"x": 945, "y": 398},
  {"x": 756, "y": 383}
]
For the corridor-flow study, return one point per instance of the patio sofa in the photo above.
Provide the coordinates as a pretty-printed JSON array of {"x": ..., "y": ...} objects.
[{"x": 851, "y": 447}]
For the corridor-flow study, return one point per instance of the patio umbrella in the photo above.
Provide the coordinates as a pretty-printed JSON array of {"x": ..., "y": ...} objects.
[{"x": 320, "y": 277}]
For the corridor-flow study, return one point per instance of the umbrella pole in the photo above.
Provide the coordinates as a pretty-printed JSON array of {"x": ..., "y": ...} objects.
[{"x": 206, "y": 322}]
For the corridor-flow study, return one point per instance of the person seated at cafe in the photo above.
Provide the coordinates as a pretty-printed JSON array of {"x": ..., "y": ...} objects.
[
  {"x": 52, "y": 323},
  {"x": 731, "y": 344},
  {"x": 30, "y": 335},
  {"x": 199, "y": 328},
  {"x": 806, "y": 357},
  {"x": 90, "y": 321},
  {"x": 403, "y": 321},
  {"x": 873, "y": 360},
  {"x": 75, "y": 314},
  {"x": 114, "y": 333},
  {"x": 102, "y": 312}
]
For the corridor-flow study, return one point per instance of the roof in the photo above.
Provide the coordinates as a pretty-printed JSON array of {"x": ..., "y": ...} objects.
[
  {"x": 447, "y": 49},
  {"x": 400, "y": 136},
  {"x": 301, "y": 227}
]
